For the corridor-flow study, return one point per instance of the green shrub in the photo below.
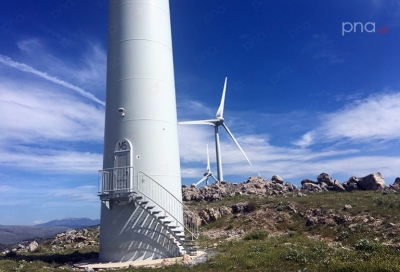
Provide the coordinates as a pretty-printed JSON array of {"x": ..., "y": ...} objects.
[
  {"x": 256, "y": 235},
  {"x": 368, "y": 245}
]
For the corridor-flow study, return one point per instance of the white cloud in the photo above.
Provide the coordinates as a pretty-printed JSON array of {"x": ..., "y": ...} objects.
[
  {"x": 374, "y": 118},
  {"x": 306, "y": 140},
  {"x": 29, "y": 45},
  {"x": 37, "y": 112},
  {"x": 50, "y": 161}
]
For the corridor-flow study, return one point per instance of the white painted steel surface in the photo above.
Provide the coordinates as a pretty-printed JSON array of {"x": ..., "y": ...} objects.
[{"x": 141, "y": 108}]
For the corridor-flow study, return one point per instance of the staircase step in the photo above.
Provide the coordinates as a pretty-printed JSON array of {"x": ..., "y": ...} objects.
[
  {"x": 161, "y": 217},
  {"x": 189, "y": 245},
  {"x": 172, "y": 227},
  {"x": 143, "y": 202},
  {"x": 156, "y": 212},
  {"x": 150, "y": 207},
  {"x": 166, "y": 222}
]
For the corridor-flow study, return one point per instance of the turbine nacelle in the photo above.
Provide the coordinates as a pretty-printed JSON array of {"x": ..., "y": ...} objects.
[{"x": 219, "y": 121}]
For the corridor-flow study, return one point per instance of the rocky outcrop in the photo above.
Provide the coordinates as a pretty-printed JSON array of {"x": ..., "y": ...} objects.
[
  {"x": 325, "y": 178},
  {"x": 75, "y": 239},
  {"x": 373, "y": 182},
  {"x": 253, "y": 186},
  {"x": 277, "y": 186},
  {"x": 71, "y": 239}
]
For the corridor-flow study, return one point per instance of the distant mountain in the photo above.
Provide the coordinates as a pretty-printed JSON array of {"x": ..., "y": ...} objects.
[
  {"x": 72, "y": 222},
  {"x": 16, "y": 234}
]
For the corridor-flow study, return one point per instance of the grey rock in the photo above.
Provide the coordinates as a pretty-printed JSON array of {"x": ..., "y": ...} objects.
[
  {"x": 338, "y": 187},
  {"x": 325, "y": 178},
  {"x": 324, "y": 186},
  {"x": 225, "y": 210},
  {"x": 239, "y": 207},
  {"x": 277, "y": 179},
  {"x": 33, "y": 246},
  {"x": 305, "y": 181},
  {"x": 347, "y": 207},
  {"x": 20, "y": 247},
  {"x": 214, "y": 214},
  {"x": 373, "y": 182},
  {"x": 311, "y": 187}
]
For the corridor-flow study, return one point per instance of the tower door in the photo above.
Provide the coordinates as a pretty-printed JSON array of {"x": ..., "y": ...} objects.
[{"x": 122, "y": 169}]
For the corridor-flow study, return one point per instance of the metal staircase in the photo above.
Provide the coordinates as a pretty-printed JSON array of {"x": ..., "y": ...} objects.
[{"x": 162, "y": 207}]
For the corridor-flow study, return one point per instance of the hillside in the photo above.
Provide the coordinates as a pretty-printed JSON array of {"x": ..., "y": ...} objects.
[
  {"x": 16, "y": 234},
  {"x": 314, "y": 231}
]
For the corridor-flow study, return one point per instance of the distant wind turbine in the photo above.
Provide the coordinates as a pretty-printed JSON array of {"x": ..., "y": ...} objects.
[
  {"x": 218, "y": 121},
  {"x": 208, "y": 173}
]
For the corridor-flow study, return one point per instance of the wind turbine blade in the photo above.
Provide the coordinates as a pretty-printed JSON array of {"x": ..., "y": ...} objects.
[
  {"x": 200, "y": 181},
  {"x": 220, "y": 111},
  {"x": 233, "y": 138},
  {"x": 200, "y": 122},
  {"x": 208, "y": 160}
]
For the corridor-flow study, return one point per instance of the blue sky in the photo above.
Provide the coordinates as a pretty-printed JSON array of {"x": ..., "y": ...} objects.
[{"x": 306, "y": 94}]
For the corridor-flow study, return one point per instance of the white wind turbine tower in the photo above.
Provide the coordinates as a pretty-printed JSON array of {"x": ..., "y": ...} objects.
[
  {"x": 208, "y": 173},
  {"x": 218, "y": 121}
]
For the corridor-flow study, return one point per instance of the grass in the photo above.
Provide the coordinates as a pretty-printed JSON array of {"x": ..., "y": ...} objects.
[{"x": 352, "y": 245}]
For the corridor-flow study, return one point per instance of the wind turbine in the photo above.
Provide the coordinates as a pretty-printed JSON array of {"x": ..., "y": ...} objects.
[
  {"x": 218, "y": 121},
  {"x": 208, "y": 173}
]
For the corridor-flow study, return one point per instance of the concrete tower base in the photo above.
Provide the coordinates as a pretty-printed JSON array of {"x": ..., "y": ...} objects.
[{"x": 132, "y": 234}]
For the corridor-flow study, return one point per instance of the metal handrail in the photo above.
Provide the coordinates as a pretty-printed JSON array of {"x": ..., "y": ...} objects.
[
  {"x": 111, "y": 179},
  {"x": 190, "y": 224}
]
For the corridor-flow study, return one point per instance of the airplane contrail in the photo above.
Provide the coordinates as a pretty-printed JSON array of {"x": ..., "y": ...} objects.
[{"x": 25, "y": 68}]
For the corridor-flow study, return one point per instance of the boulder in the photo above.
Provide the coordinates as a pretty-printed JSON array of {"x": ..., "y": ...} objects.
[
  {"x": 33, "y": 246},
  {"x": 225, "y": 210},
  {"x": 239, "y": 207},
  {"x": 324, "y": 177},
  {"x": 277, "y": 179},
  {"x": 396, "y": 185},
  {"x": 351, "y": 184},
  {"x": 311, "y": 187},
  {"x": 278, "y": 187},
  {"x": 338, "y": 187},
  {"x": 304, "y": 181},
  {"x": 373, "y": 182},
  {"x": 214, "y": 213},
  {"x": 324, "y": 186},
  {"x": 204, "y": 216}
]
